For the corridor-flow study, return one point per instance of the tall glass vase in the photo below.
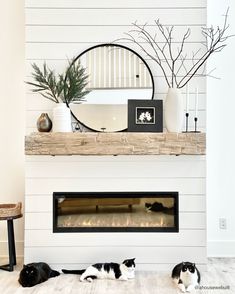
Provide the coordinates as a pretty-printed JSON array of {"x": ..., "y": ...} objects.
[{"x": 174, "y": 110}]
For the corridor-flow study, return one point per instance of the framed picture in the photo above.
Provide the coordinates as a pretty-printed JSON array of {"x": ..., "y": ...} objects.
[{"x": 145, "y": 116}]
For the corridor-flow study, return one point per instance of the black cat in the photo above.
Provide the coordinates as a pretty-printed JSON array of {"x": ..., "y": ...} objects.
[
  {"x": 159, "y": 207},
  {"x": 156, "y": 206},
  {"x": 36, "y": 273}
]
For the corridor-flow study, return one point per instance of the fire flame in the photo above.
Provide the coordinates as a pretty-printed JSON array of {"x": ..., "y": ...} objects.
[{"x": 99, "y": 221}]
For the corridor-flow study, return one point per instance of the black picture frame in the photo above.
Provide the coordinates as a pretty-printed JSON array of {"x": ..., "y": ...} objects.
[{"x": 145, "y": 115}]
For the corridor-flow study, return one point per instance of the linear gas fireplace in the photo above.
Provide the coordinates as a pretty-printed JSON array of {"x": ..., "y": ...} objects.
[{"x": 115, "y": 212}]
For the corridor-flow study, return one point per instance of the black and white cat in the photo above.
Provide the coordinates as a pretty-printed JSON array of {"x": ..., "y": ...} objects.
[
  {"x": 186, "y": 276},
  {"x": 36, "y": 273},
  {"x": 123, "y": 271},
  {"x": 156, "y": 206}
]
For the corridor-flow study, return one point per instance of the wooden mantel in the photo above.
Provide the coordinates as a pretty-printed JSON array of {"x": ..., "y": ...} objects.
[{"x": 115, "y": 144}]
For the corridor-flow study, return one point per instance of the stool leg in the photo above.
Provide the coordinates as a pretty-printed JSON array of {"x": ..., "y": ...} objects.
[{"x": 11, "y": 244}]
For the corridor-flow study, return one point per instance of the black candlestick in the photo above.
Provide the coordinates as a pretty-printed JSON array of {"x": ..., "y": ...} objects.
[
  {"x": 195, "y": 125},
  {"x": 186, "y": 122}
]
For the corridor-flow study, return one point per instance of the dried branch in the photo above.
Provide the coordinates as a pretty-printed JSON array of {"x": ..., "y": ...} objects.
[
  {"x": 215, "y": 40},
  {"x": 182, "y": 58},
  {"x": 154, "y": 58},
  {"x": 165, "y": 55},
  {"x": 152, "y": 41}
]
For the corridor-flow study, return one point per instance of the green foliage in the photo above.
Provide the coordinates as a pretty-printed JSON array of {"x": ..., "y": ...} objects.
[
  {"x": 69, "y": 86},
  {"x": 74, "y": 83}
]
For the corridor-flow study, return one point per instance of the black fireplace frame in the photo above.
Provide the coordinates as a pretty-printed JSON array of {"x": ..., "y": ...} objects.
[{"x": 122, "y": 194}]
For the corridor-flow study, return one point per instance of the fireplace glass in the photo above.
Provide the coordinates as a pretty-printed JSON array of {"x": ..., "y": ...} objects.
[{"x": 115, "y": 212}]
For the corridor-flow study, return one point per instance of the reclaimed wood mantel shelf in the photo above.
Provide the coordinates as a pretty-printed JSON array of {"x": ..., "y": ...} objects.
[{"x": 115, "y": 144}]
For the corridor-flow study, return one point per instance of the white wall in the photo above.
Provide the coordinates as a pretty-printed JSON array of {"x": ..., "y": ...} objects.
[
  {"x": 55, "y": 44},
  {"x": 12, "y": 109},
  {"x": 153, "y": 251},
  {"x": 57, "y": 29},
  {"x": 220, "y": 125},
  {"x": 60, "y": 29},
  {"x": 221, "y": 139}
]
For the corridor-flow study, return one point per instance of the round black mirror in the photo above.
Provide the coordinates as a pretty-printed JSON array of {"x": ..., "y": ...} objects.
[{"x": 115, "y": 74}]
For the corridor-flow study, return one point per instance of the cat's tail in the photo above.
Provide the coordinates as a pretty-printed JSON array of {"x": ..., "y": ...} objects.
[
  {"x": 54, "y": 274},
  {"x": 75, "y": 272}
]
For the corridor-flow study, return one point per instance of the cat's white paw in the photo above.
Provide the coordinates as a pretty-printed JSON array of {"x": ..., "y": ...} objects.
[
  {"x": 131, "y": 276},
  {"x": 190, "y": 288},
  {"x": 182, "y": 288},
  {"x": 90, "y": 280},
  {"x": 123, "y": 278}
]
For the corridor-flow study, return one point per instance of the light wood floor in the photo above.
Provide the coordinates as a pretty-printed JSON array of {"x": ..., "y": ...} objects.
[{"x": 221, "y": 272}]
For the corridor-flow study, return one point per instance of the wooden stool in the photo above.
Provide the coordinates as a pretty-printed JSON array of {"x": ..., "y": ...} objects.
[{"x": 5, "y": 215}]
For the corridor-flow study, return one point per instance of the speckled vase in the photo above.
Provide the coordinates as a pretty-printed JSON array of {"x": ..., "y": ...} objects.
[{"x": 44, "y": 123}]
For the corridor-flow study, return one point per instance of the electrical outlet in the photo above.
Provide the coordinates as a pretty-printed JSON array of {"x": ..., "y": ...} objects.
[{"x": 223, "y": 223}]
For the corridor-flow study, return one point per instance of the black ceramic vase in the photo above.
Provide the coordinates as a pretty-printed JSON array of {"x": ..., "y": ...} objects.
[{"x": 44, "y": 123}]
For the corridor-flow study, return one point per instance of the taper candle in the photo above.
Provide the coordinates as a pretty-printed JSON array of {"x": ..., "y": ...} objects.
[
  {"x": 187, "y": 98},
  {"x": 196, "y": 102}
]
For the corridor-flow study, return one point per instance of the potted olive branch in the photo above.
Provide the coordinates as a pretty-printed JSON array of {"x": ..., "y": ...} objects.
[{"x": 65, "y": 88}]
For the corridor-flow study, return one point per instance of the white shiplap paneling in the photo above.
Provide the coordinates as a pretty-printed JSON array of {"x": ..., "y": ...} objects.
[
  {"x": 71, "y": 4},
  {"x": 46, "y": 174},
  {"x": 60, "y": 29},
  {"x": 36, "y": 238},
  {"x": 183, "y": 185},
  {"x": 82, "y": 169},
  {"x": 38, "y": 50},
  {"x": 146, "y": 255},
  {"x": 117, "y": 17},
  {"x": 85, "y": 34},
  {"x": 57, "y": 30}
]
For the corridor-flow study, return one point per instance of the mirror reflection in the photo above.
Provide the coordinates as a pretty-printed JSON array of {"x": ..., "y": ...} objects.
[{"x": 115, "y": 74}]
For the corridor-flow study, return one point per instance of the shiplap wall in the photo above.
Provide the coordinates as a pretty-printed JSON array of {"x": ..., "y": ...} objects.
[
  {"x": 47, "y": 174},
  {"x": 60, "y": 29},
  {"x": 56, "y": 30}
]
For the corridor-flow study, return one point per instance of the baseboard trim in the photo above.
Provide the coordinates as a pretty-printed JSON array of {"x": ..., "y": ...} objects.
[
  {"x": 4, "y": 248},
  {"x": 221, "y": 249}
]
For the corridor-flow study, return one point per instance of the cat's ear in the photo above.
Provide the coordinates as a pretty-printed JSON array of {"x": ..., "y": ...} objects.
[
  {"x": 24, "y": 266},
  {"x": 183, "y": 263},
  {"x": 193, "y": 265},
  {"x": 133, "y": 259}
]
